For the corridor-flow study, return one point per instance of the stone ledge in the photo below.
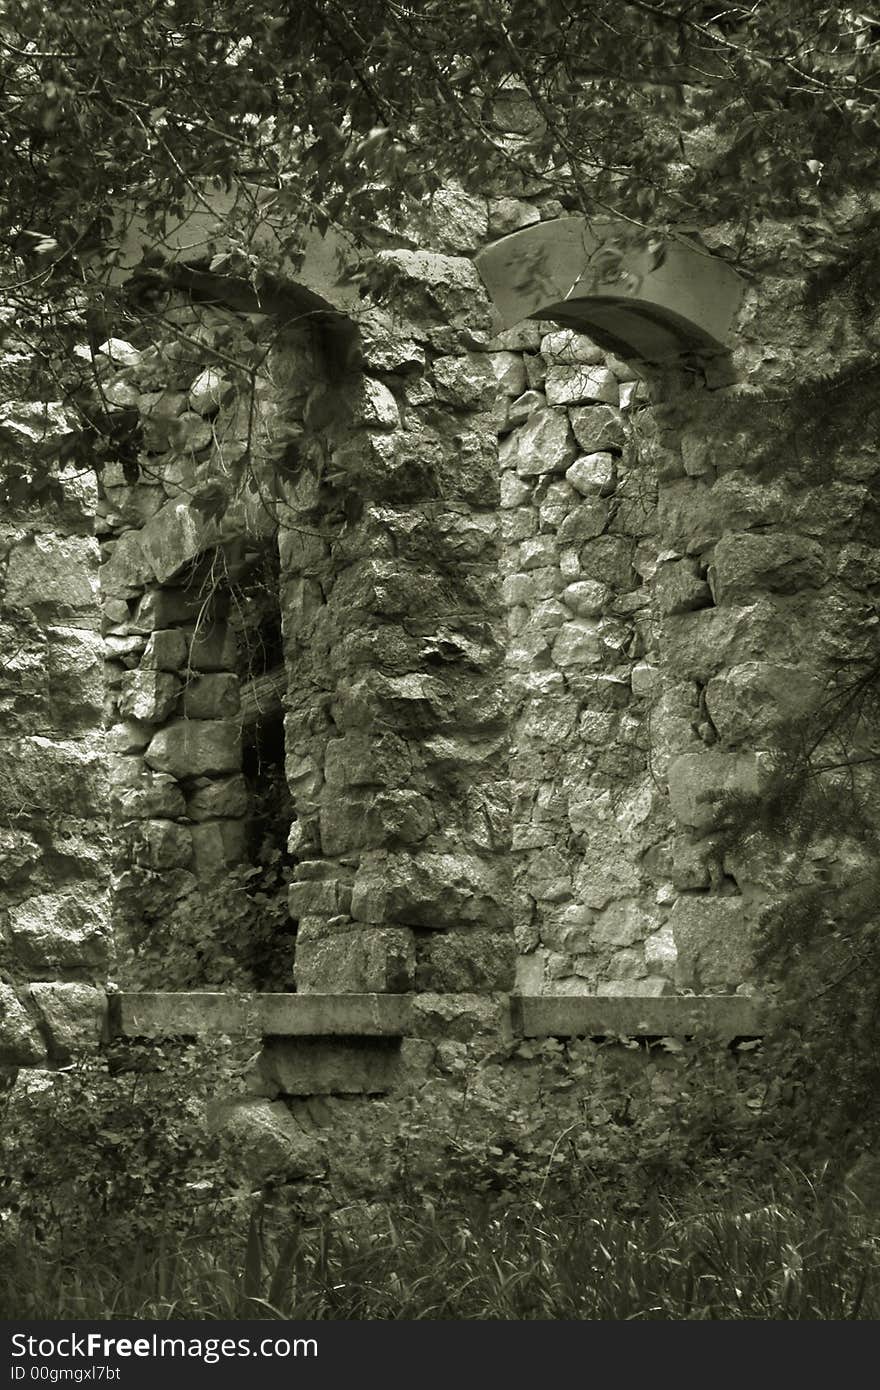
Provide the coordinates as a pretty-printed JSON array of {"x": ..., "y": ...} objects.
[
  {"x": 391, "y": 1015},
  {"x": 719, "y": 1015},
  {"x": 277, "y": 1015}
]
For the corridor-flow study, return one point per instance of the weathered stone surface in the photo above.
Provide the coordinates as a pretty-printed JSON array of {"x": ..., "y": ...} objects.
[
  {"x": 152, "y": 795},
  {"x": 462, "y": 962},
  {"x": 585, "y": 523},
  {"x": 20, "y": 1041},
  {"x": 679, "y": 588},
  {"x": 73, "y": 1015},
  {"x": 361, "y": 960},
  {"x": 595, "y": 1015},
  {"x": 177, "y": 533},
  {"x": 593, "y": 474},
  {"x": 161, "y": 608},
  {"x": 714, "y": 940},
  {"x": 748, "y": 563},
  {"x": 213, "y": 647},
  {"x": 217, "y": 845},
  {"x": 510, "y": 215},
  {"x": 42, "y": 774},
  {"x": 55, "y": 576},
  {"x": 432, "y": 288},
  {"x": 544, "y": 444},
  {"x": 460, "y": 1017},
  {"x": 699, "y": 644},
  {"x": 576, "y": 384},
  {"x": 161, "y": 844},
  {"x": 76, "y": 679},
  {"x": 208, "y": 392},
  {"x": 64, "y": 931},
  {"x": 128, "y": 568},
  {"x": 565, "y": 348},
  {"x": 224, "y": 797},
  {"x": 431, "y": 890},
  {"x": 597, "y": 428},
  {"x": 748, "y": 701},
  {"x": 271, "y": 1141},
  {"x": 578, "y": 644},
  {"x": 699, "y": 782},
  {"x": 129, "y": 736},
  {"x": 165, "y": 650},
  {"x": 457, "y": 220},
  {"x": 195, "y": 748},
  {"x": 315, "y": 1067},
  {"x": 216, "y": 696},
  {"x": 148, "y": 695}
]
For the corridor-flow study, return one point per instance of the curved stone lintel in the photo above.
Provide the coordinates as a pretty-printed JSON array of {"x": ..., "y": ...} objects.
[
  {"x": 313, "y": 284},
  {"x": 655, "y": 302}
]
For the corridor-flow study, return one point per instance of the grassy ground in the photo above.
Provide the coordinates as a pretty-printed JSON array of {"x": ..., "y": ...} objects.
[{"x": 792, "y": 1254}]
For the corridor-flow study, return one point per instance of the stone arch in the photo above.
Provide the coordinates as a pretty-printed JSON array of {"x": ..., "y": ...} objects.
[{"x": 650, "y": 302}]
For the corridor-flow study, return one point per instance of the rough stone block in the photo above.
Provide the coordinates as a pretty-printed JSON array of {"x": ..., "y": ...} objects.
[
  {"x": 462, "y": 962},
  {"x": 213, "y": 647},
  {"x": 162, "y": 608},
  {"x": 54, "y": 576},
  {"x": 148, "y": 695},
  {"x": 165, "y": 650},
  {"x": 73, "y": 1015},
  {"x": 20, "y": 1041},
  {"x": 432, "y": 890},
  {"x": 76, "y": 679},
  {"x": 565, "y": 348},
  {"x": 593, "y": 474},
  {"x": 584, "y": 523},
  {"x": 699, "y": 782},
  {"x": 154, "y": 795},
  {"x": 510, "y": 215},
  {"x": 714, "y": 940},
  {"x": 61, "y": 931},
  {"x": 317, "y": 1067},
  {"x": 217, "y": 845},
  {"x": 750, "y": 700},
  {"x": 461, "y": 1017},
  {"x": 661, "y": 953},
  {"x": 432, "y": 288},
  {"x": 161, "y": 844},
  {"x": 313, "y": 897},
  {"x": 128, "y": 569},
  {"x": 597, "y": 428},
  {"x": 544, "y": 444},
  {"x": 196, "y": 748},
  {"x": 221, "y": 798},
  {"x": 208, "y": 392},
  {"x": 215, "y": 696},
  {"x": 272, "y": 1143},
  {"x": 779, "y": 561},
  {"x": 574, "y": 385},
  {"x": 40, "y": 775},
  {"x": 578, "y": 644},
  {"x": 679, "y": 588},
  {"x": 362, "y": 960}
]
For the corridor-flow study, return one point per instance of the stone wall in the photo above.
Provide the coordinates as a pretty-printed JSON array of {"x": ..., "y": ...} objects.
[
  {"x": 542, "y": 612},
  {"x": 55, "y": 943}
]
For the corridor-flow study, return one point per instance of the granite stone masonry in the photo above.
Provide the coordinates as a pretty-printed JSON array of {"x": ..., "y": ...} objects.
[{"x": 544, "y": 601}]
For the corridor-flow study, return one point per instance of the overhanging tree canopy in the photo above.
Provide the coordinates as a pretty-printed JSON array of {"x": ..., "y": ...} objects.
[{"x": 675, "y": 116}]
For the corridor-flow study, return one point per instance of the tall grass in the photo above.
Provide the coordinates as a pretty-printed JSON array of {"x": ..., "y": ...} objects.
[{"x": 772, "y": 1255}]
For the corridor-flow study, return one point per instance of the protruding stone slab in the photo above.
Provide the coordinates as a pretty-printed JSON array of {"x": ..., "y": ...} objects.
[
  {"x": 154, "y": 1015},
  {"x": 650, "y": 300},
  {"x": 721, "y": 1015}
]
